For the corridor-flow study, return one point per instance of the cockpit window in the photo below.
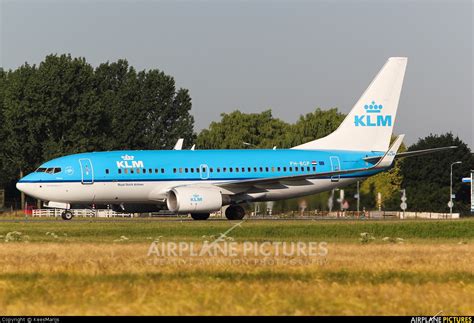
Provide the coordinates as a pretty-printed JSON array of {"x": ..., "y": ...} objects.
[
  {"x": 52, "y": 170},
  {"x": 41, "y": 170}
]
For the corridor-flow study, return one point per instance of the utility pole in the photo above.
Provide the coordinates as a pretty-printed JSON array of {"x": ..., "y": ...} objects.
[
  {"x": 450, "y": 203},
  {"x": 22, "y": 194},
  {"x": 404, "y": 205},
  {"x": 358, "y": 197}
]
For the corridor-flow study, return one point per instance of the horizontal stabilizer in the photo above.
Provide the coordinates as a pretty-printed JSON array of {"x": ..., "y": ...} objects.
[
  {"x": 389, "y": 156},
  {"x": 374, "y": 159}
]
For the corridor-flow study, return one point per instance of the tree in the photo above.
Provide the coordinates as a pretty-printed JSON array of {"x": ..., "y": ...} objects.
[
  {"x": 427, "y": 178},
  {"x": 3, "y": 162},
  {"x": 314, "y": 125},
  {"x": 65, "y": 106},
  {"x": 144, "y": 109},
  {"x": 260, "y": 130}
]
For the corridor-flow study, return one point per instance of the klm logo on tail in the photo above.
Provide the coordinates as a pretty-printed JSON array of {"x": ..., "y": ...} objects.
[{"x": 373, "y": 118}]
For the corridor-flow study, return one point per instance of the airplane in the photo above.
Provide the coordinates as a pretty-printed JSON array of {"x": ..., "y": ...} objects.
[{"x": 199, "y": 182}]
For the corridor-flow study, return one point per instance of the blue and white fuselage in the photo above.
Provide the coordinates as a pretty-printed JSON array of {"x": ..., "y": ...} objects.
[{"x": 146, "y": 176}]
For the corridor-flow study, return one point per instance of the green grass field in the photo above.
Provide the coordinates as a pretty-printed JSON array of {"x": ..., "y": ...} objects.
[
  {"x": 139, "y": 230},
  {"x": 87, "y": 267}
]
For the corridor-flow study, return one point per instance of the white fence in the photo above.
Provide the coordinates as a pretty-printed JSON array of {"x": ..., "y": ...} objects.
[
  {"x": 88, "y": 213},
  {"x": 373, "y": 214},
  {"x": 427, "y": 215}
]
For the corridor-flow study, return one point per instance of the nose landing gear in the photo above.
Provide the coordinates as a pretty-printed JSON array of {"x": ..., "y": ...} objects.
[{"x": 67, "y": 215}]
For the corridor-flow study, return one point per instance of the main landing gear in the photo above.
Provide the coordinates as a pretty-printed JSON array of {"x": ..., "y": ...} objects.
[
  {"x": 67, "y": 215},
  {"x": 235, "y": 212},
  {"x": 200, "y": 216}
]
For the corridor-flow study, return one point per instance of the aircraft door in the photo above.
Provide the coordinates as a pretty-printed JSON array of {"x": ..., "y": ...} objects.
[
  {"x": 335, "y": 166},
  {"x": 87, "y": 172},
  {"x": 204, "y": 171}
]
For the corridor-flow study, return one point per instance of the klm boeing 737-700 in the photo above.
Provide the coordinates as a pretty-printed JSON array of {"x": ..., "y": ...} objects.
[{"x": 199, "y": 182}]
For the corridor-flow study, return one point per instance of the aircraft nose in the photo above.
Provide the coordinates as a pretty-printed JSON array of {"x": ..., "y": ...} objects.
[
  {"x": 23, "y": 184},
  {"x": 20, "y": 186}
]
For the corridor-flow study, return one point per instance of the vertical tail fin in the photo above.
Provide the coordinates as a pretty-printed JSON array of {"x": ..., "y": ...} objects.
[{"x": 369, "y": 125}]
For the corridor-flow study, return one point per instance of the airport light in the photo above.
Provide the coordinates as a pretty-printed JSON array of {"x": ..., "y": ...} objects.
[{"x": 450, "y": 204}]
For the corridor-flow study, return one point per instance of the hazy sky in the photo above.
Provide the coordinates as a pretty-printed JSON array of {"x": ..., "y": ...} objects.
[{"x": 290, "y": 56}]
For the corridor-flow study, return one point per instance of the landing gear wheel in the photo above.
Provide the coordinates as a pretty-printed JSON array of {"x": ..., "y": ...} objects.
[
  {"x": 235, "y": 212},
  {"x": 66, "y": 215},
  {"x": 200, "y": 216}
]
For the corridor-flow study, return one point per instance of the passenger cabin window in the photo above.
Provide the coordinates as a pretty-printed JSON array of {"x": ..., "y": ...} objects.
[
  {"x": 162, "y": 170},
  {"x": 120, "y": 171},
  {"x": 107, "y": 171}
]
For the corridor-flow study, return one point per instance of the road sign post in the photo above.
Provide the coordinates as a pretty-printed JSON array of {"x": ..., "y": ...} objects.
[{"x": 403, "y": 205}]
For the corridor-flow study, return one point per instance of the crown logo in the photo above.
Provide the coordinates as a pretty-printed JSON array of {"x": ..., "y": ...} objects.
[
  {"x": 127, "y": 157},
  {"x": 373, "y": 108}
]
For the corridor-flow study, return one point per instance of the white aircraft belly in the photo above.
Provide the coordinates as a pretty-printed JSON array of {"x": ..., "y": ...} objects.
[{"x": 152, "y": 192}]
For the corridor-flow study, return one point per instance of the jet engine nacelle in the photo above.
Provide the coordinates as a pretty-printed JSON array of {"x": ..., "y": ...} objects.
[{"x": 194, "y": 200}]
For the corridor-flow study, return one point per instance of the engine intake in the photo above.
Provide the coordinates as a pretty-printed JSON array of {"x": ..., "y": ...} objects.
[{"x": 193, "y": 200}]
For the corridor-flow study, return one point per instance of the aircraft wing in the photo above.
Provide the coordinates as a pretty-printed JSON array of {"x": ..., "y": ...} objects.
[
  {"x": 385, "y": 161},
  {"x": 413, "y": 153}
]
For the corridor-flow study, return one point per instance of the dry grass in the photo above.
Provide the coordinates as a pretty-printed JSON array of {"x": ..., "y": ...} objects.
[{"x": 119, "y": 279}]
